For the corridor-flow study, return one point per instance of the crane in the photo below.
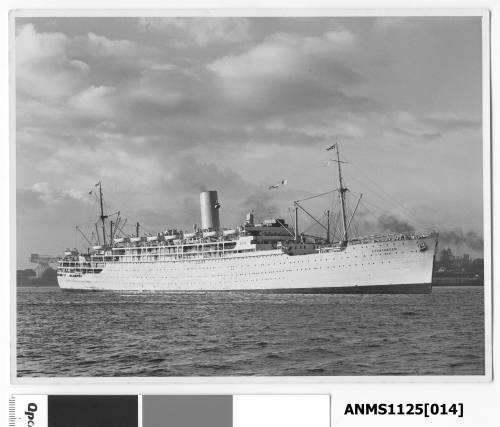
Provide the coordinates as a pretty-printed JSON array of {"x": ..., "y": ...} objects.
[{"x": 43, "y": 263}]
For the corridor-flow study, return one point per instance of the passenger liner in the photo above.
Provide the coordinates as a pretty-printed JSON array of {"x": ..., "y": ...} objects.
[{"x": 271, "y": 256}]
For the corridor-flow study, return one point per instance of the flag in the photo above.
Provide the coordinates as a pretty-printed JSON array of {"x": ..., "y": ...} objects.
[
  {"x": 282, "y": 182},
  {"x": 331, "y": 147}
]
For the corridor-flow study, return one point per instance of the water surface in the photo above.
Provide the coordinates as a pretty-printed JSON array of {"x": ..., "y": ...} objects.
[{"x": 224, "y": 334}]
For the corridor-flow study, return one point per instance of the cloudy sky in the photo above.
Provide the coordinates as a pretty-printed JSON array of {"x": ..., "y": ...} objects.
[{"x": 159, "y": 109}]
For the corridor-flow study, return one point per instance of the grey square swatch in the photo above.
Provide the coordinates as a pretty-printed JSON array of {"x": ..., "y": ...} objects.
[{"x": 187, "y": 411}]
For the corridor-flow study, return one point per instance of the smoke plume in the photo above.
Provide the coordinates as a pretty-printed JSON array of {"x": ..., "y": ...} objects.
[
  {"x": 260, "y": 203},
  {"x": 390, "y": 223},
  {"x": 461, "y": 239}
]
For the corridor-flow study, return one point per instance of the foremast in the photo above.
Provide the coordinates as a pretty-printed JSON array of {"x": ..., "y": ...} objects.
[
  {"x": 103, "y": 217},
  {"x": 341, "y": 190}
]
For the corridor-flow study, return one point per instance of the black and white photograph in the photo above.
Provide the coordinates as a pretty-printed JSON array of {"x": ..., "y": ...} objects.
[{"x": 251, "y": 196}]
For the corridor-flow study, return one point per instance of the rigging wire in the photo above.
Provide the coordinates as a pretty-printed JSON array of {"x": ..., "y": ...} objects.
[
  {"x": 356, "y": 232},
  {"x": 387, "y": 195},
  {"x": 314, "y": 223},
  {"x": 411, "y": 222},
  {"x": 318, "y": 195}
]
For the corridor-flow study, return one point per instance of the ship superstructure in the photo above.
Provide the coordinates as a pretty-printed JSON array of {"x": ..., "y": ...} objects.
[{"x": 270, "y": 256}]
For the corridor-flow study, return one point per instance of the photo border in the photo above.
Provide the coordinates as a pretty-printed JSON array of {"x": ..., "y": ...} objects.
[{"x": 229, "y": 12}]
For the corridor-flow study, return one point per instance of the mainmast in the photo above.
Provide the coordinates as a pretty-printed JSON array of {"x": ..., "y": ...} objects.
[
  {"x": 296, "y": 221},
  {"x": 103, "y": 217},
  {"x": 342, "y": 191}
]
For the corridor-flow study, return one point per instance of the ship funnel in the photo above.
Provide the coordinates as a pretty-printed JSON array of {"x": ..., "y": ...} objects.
[{"x": 209, "y": 210}]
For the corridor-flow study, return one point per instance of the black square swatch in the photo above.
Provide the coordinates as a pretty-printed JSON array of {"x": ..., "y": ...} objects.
[{"x": 93, "y": 411}]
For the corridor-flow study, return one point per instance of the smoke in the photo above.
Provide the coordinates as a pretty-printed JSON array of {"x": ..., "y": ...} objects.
[
  {"x": 261, "y": 204},
  {"x": 458, "y": 239},
  {"x": 392, "y": 224},
  {"x": 461, "y": 239},
  {"x": 364, "y": 225}
]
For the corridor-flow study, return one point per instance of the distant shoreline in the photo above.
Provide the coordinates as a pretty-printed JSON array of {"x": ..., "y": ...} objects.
[
  {"x": 34, "y": 283},
  {"x": 457, "y": 281}
]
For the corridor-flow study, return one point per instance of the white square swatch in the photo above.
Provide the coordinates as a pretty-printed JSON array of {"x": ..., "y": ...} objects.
[{"x": 281, "y": 410}]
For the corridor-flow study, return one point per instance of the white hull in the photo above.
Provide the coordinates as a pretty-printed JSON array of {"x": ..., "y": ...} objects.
[{"x": 392, "y": 266}]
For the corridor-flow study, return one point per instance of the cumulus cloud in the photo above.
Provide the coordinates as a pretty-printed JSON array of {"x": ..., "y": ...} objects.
[
  {"x": 450, "y": 121},
  {"x": 43, "y": 193},
  {"x": 100, "y": 46},
  {"x": 341, "y": 37},
  {"x": 320, "y": 127},
  {"x": 428, "y": 127},
  {"x": 95, "y": 101},
  {"x": 184, "y": 32},
  {"x": 290, "y": 57},
  {"x": 55, "y": 66},
  {"x": 301, "y": 73},
  {"x": 43, "y": 68},
  {"x": 168, "y": 88}
]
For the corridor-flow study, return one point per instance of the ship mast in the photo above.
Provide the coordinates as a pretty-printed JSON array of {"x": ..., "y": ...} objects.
[
  {"x": 342, "y": 191},
  {"x": 103, "y": 217}
]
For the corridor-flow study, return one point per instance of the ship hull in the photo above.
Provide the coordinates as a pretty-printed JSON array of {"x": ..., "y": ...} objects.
[
  {"x": 409, "y": 288},
  {"x": 396, "y": 266}
]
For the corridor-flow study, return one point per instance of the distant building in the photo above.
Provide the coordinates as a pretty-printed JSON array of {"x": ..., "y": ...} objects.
[{"x": 447, "y": 263}]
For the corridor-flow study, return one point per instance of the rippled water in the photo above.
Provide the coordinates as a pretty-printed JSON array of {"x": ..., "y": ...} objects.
[{"x": 204, "y": 334}]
